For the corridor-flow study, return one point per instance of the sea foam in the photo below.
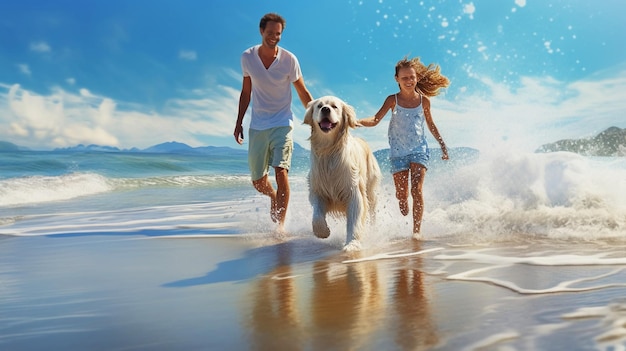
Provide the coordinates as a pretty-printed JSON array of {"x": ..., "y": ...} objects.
[
  {"x": 37, "y": 189},
  {"x": 558, "y": 195}
]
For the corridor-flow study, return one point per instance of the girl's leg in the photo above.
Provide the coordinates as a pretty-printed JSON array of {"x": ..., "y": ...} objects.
[
  {"x": 418, "y": 172},
  {"x": 401, "y": 181}
]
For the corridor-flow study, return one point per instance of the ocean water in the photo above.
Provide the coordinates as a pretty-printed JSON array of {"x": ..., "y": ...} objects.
[
  {"x": 521, "y": 251},
  {"x": 47, "y": 193},
  {"x": 474, "y": 197}
]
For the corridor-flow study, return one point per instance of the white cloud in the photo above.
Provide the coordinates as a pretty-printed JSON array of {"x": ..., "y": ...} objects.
[
  {"x": 538, "y": 111},
  {"x": 18, "y": 130},
  {"x": 56, "y": 120},
  {"x": 84, "y": 92},
  {"x": 70, "y": 81},
  {"x": 187, "y": 55},
  {"x": 40, "y": 46},
  {"x": 24, "y": 69},
  {"x": 211, "y": 112},
  {"x": 62, "y": 118},
  {"x": 542, "y": 110}
]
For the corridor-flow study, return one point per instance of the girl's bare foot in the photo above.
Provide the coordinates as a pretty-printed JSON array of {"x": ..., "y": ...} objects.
[{"x": 280, "y": 232}]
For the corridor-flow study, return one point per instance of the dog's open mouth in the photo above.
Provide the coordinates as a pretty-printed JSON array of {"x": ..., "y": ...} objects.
[{"x": 326, "y": 125}]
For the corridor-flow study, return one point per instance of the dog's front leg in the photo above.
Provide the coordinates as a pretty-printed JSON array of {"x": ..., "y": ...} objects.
[
  {"x": 354, "y": 227},
  {"x": 371, "y": 205},
  {"x": 320, "y": 227}
]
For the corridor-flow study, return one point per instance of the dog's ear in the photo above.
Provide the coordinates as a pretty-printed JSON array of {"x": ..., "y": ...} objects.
[
  {"x": 308, "y": 114},
  {"x": 349, "y": 116}
]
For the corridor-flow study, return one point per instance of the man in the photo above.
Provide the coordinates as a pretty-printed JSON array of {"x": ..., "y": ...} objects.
[{"x": 268, "y": 72}]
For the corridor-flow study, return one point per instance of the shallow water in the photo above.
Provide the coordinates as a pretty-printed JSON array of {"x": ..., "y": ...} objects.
[
  {"x": 191, "y": 261},
  {"x": 104, "y": 292}
]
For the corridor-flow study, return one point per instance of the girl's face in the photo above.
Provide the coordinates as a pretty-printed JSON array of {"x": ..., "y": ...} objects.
[{"x": 406, "y": 78}]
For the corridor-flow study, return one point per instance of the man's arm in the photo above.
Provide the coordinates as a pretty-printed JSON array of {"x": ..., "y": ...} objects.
[
  {"x": 244, "y": 102},
  {"x": 303, "y": 92}
]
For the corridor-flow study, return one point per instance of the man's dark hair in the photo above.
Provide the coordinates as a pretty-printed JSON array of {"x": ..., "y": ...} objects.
[{"x": 272, "y": 17}]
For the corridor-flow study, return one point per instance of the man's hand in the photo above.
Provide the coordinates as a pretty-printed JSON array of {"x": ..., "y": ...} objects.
[{"x": 238, "y": 134}]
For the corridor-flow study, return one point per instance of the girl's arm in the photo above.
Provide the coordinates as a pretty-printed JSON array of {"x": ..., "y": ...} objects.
[
  {"x": 374, "y": 120},
  {"x": 433, "y": 127}
]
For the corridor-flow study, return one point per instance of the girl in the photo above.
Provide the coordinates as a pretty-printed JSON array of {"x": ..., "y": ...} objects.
[{"x": 409, "y": 152}]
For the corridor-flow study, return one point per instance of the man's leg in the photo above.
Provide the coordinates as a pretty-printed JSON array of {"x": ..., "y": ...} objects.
[
  {"x": 258, "y": 160},
  {"x": 282, "y": 149},
  {"x": 281, "y": 195},
  {"x": 264, "y": 186}
]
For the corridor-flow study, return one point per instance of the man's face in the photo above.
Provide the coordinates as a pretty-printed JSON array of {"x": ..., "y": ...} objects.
[{"x": 271, "y": 34}]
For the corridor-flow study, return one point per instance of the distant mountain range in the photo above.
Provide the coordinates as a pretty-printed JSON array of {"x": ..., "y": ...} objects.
[
  {"x": 611, "y": 142},
  {"x": 6, "y": 146},
  {"x": 171, "y": 147}
]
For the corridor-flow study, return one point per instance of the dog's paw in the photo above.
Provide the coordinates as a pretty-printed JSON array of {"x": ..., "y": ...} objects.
[
  {"x": 352, "y": 246},
  {"x": 320, "y": 229}
]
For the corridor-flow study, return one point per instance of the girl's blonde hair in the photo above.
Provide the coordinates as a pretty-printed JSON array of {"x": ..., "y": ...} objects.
[{"x": 429, "y": 79}]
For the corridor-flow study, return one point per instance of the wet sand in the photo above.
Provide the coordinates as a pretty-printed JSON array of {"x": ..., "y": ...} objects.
[{"x": 112, "y": 292}]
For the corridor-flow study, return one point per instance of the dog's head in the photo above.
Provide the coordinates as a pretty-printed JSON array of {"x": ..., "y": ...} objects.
[{"x": 329, "y": 115}]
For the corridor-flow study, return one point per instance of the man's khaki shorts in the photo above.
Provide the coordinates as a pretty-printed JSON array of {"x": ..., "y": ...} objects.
[{"x": 269, "y": 147}]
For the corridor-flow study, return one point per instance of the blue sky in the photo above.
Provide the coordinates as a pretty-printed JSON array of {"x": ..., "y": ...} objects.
[{"x": 138, "y": 73}]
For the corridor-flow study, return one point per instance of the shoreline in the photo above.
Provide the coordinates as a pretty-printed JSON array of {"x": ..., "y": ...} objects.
[{"x": 102, "y": 292}]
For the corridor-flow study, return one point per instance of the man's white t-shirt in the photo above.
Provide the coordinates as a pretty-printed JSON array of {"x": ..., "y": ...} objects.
[{"x": 271, "y": 88}]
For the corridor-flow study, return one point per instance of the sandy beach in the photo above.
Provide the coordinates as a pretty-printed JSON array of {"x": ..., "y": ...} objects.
[
  {"x": 111, "y": 292},
  {"x": 190, "y": 261}
]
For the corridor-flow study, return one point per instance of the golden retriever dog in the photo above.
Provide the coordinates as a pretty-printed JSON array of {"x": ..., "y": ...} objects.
[{"x": 344, "y": 174}]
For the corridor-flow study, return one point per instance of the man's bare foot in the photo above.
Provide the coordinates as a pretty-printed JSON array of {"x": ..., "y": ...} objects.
[
  {"x": 404, "y": 207},
  {"x": 417, "y": 236},
  {"x": 280, "y": 232}
]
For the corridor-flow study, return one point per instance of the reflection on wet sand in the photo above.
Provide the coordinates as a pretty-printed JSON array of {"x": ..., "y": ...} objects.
[
  {"x": 412, "y": 322},
  {"x": 339, "y": 306},
  {"x": 346, "y": 305},
  {"x": 275, "y": 320}
]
